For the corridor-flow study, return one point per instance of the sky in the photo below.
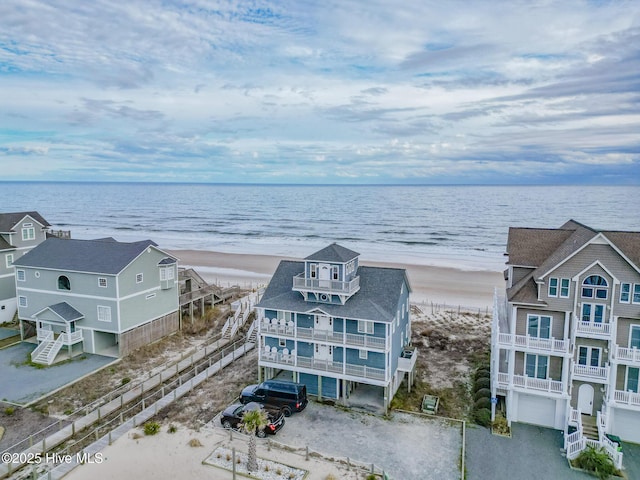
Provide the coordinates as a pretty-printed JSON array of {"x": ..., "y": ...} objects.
[{"x": 295, "y": 91}]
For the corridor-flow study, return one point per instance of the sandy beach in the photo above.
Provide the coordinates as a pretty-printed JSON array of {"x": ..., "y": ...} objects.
[{"x": 429, "y": 284}]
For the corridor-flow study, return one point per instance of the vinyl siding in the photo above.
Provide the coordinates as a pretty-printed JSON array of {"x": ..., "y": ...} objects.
[{"x": 557, "y": 322}]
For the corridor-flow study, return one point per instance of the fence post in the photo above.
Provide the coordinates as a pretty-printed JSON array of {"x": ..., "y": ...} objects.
[
  {"x": 98, "y": 413},
  {"x": 306, "y": 455},
  {"x": 233, "y": 461},
  {"x": 73, "y": 428},
  {"x": 348, "y": 464},
  {"x": 110, "y": 437}
]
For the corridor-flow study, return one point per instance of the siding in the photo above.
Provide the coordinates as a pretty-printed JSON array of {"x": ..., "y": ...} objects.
[
  {"x": 624, "y": 330},
  {"x": 557, "y": 322}
]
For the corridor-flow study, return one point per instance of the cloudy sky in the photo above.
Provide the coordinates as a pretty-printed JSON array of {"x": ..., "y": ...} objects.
[{"x": 324, "y": 91}]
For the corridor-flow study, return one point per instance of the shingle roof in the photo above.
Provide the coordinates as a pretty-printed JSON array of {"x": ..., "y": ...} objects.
[
  {"x": 333, "y": 253},
  {"x": 64, "y": 311},
  {"x": 10, "y": 220},
  {"x": 4, "y": 245},
  {"x": 94, "y": 256},
  {"x": 377, "y": 298},
  {"x": 546, "y": 248}
]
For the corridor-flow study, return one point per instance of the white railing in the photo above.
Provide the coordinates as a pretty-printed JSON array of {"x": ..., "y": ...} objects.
[
  {"x": 41, "y": 347},
  {"x": 51, "y": 355},
  {"x": 574, "y": 418},
  {"x": 226, "y": 326},
  {"x": 252, "y": 327},
  {"x": 321, "y": 364},
  {"x": 43, "y": 335},
  {"x": 300, "y": 282},
  {"x": 626, "y": 354},
  {"x": 71, "y": 338},
  {"x": 627, "y": 398},
  {"x": 525, "y": 341},
  {"x": 597, "y": 373},
  {"x": 365, "y": 341},
  {"x": 543, "y": 384},
  {"x": 594, "y": 328},
  {"x": 576, "y": 442},
  {"x": 364, "y": 371},
  {"x": 407, "y": 364},
  {"x": 315, "y": 334},
  {"x": 503, "y": 380}
]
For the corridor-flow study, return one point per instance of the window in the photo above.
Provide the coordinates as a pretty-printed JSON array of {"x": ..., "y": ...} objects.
[
  {"x": 625, "y": 292},
  {"x": 22, "y": 301},
  {"x": 539, "y": 326},
  {"x": 9, "y": 259},
  {"x": 594, "y": 286},
  {"x": 365, "y": 326},
  {"x": 634, "y": 336},
  {"x": 636, "y": 293},
  {"x": 631, "y": 382},
  {"x": 104, "y": 313},
  {"x": 334, "y": 272},
  {"x": 553, "y": 287},
  {"x": 589, "y": 356},
  {"x": 166, "y": 273},
  {"x": 139, "y": 277},
  {"x": 64, "y": 283},
  {"x": 536, "y": 366},
  {"x": 28, "y": 232},
  {"x": 20, "y": 275},
  {"x": 313, "y": 270},
  {"x": 102, "y": 282},
  {"x": 363, "y": 354},
  {"x": 564, "y": 288},
  {"x": 592, "y": 313},
  {"x": 282, "y": 342}
]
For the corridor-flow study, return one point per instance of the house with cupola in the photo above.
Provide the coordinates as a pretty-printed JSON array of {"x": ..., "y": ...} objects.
[
  {"x": 565, "y": 349},
  {"x": 96, "y": 296},
  {"x": 19, "y": 233},
  {"x": 333, "y": 324}
]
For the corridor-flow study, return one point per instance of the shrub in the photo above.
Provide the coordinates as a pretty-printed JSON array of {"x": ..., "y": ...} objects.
[
  {"x": 482, "y": 416},
  {"x": 483, "y": 402},
  {"x": 482, "y": 382},
  {"x": 500, "y": 425},
  {"x": 9, "y": 410},
  {"x": 482, "y": 372},
  {"x": 125, "y": 380},
  {"x": 482, "y": 393},
  {"x": 151, "y": 428},
  {"x": 172, "y": 428},
  {"x": 596, "y": 460}
]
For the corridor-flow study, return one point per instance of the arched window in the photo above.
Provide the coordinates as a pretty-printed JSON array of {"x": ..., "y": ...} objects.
[
  {"x": 63, "y": 283},
  {"x": 595, "y": 286}
]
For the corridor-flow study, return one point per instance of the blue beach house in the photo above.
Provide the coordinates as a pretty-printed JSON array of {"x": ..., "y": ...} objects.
[{"x": 335, "y": 325}]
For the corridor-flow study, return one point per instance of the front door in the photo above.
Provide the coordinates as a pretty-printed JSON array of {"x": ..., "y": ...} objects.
[
  {"x": 585, "y": 399},
  {"x": 323, "y": 352},
  {"x": 325, "y": 275},
  {"x": 323, "y": 323}
]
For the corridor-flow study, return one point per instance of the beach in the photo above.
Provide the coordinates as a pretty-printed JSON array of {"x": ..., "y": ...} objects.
[{"x": 429, "y": 284}]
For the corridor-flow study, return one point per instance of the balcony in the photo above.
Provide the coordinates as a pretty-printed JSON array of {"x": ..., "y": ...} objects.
[
  {"x": 529, "y": 383},
  {"x": 627, "y": 399},
  {"x": 407, "y": 360},
  {"x": 588, "y": 373},
  {"x": 630, "y": 356},
  {"x": 365, "y": 341},
  {"x": 593, "y": 329},
  {"x": 305, "y": 284},
  {"x": 277, "y": 328},
  {"x": 526, "y": 342},
  {"x": 321, "y": 335}
]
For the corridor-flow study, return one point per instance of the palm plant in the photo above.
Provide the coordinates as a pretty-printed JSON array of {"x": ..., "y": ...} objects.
[
  {"x": 252, "y": 422},
  {"x": 596, "y": 460}
]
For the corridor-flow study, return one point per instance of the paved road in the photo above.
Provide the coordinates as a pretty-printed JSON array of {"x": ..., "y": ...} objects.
[{"x": 20, "y": 383}]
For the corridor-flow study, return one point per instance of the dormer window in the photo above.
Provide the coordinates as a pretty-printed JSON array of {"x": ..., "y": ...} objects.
[
  {"x": 64, "y": 283},
  {"x": 595, "y": 286},
  {"x": 28, "y": 231}
]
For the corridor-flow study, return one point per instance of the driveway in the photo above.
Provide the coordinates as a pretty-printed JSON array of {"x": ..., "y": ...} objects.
[
  {"x": 22, "y": 383},
  {"x": 405, "y": 446}
]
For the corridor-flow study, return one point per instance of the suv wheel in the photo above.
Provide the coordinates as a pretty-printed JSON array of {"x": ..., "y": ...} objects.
[
  {"x": 286, "y": 411},
  {"x": 261, "y": 433},
  {"x": 226, "y": 424}
]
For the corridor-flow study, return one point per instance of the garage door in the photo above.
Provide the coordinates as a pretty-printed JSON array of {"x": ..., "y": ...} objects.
[
  {"x": 625, "y": 425},
  {"x": 536, "y": 410}
]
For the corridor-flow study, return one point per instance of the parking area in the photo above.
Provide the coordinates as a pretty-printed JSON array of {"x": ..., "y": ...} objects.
[
  {"x": 405, "y": 445},
  {"x": 21, "y": 383}
]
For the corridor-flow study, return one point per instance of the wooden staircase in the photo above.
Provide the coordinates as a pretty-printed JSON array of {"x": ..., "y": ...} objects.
[
  {"x": 590, "y": 427},
  {"x": 48, "y": 352}
]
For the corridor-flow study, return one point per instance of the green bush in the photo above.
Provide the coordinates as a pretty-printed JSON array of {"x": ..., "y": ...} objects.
[
  {"x": 500, "y": 425},
  {"x": 125, "y": 380},
  {"x": 482, "y": 393},
  {"x": 172, "y": 428},
  {"x": 482, "y": 417},
  {"x": 9, "y": 410},
  {"x": 482, "y": 382},
  {"x": 482, "y": 372},
  {"x": 483, "y": 402},
  {"x": 151, "y": 428},
  {"x": 597, "y": 461}
]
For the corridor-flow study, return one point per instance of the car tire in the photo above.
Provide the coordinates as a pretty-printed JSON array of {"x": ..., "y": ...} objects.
[
  {"x": 286, "y": 411},
  {"x": 226, "y": 424},
  {"x": 261, "y": 433}
]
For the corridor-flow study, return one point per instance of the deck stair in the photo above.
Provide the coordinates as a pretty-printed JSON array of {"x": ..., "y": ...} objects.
[
  {"x": 46, "y": 352},
  {"x": 590, "y": 427}
]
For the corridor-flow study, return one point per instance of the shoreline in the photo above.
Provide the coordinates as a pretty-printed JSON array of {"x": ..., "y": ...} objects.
[{"x": 429, "y": 284}]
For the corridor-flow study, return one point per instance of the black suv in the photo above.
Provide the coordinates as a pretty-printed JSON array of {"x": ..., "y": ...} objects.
[
  {"x": 232, "y": 417},
  {"x": 288, "y": 396}
]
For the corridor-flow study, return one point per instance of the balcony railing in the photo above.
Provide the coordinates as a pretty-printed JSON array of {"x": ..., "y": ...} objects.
[
  {"x": 67, "y": 338},
  {"x": 301, "y": 282},
  {"x": 592, "y": 373},
  {"x": 627, "y": 398},
  {"x": 594, "y": 328},
  {"x": 522, "y": 381},
  {"x": 365, "y": 341},
  {"x": 623, "y": 354},
  {"x": 322, "y": 335},
  {"x": 551, "y": 345}
]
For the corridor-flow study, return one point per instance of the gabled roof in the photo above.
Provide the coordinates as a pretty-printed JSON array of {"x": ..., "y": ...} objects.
[
  {"x": 10, "y": 220},
  {"x": 376, "y": 300},
  {"x": 65, "y": 311},
  {"x": 544, "y": 249},
  {"x": 333, "y": 253},
  {"x": 93, "y": 256}
]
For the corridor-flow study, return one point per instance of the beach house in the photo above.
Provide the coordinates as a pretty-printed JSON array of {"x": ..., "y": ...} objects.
[
  {"x": 19, "y": 233},
  {"x": 335, "y": 325},
  {"x": 97, "y": 296},
  {"x": 565, "y": 349}
]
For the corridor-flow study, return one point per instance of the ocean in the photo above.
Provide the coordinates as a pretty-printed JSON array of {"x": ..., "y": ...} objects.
[{"x": 460, "y": 226}]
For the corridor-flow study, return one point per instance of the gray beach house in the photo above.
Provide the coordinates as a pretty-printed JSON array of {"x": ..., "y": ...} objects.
[
  {"x": 565, "y": 350},
  {"x": 19, "y": 233},
  {"x": 97, "y": 296},
  {"x": 334, "y": 325}
]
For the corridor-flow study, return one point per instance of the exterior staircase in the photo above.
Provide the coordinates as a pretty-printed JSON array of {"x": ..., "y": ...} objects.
[
  {"x": 46, "y": 352},
  {"x": 590, "y": 427}
]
